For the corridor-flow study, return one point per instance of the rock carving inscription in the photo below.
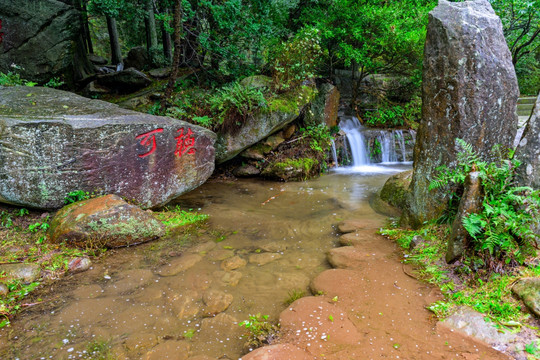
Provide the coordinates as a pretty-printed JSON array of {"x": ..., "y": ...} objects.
[{"x": 184, "y": 142}]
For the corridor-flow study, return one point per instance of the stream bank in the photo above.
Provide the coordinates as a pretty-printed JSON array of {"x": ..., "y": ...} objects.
[{"x": 265, "y": 240}]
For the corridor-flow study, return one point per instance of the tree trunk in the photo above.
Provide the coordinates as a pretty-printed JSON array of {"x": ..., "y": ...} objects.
[
  {"x": 116, "y": 52},
  {"x": 150, "y": 22},
  {"x": 87, "y": 36},
  {"x": 166, "y": 39},
  {"x": 177, "y": 25}
]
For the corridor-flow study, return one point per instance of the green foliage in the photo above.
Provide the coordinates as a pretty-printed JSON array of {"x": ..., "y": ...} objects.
[
  {"x": 260, "y": 330},
  {"x": 395, "y": 115},
  {"x": 54, "y": 83},
  {"x": 14, "y": 79},
  {"x": 533, "y": 348},
  {"x": 176, "y": 217},
  {"x": 296, "y": 60},
  {"x": 492, "y": 298},
  {"x": 204, "y": 121},
  {"x": 237, "y": 102},
  {"x": 11, "y": 303},
  {"x": 319, "y": 137},
  {"x": 502, "y": 230},
  {"x": 294, "y": 295},
  {"x": 99, "y": 350},
  {"x": 78, "y": 195}
]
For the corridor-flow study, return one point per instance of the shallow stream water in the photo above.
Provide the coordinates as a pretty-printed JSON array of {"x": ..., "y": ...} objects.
[{"x": 162, "y": 297}]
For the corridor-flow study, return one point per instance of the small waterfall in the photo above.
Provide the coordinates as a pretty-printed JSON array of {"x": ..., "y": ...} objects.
[
  {"x": 352, "y": 129},
  {"x": 369, "y": 147},
  {"x": 334, "y": 153}
]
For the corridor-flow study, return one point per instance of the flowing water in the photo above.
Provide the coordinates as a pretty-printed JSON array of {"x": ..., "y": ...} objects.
[{"x": 157, "y": 300}]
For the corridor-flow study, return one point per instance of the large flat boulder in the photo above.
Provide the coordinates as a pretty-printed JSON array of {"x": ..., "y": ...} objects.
[
  {"x": 469, "y": 91},
  {"x": 55, "y": 142}
]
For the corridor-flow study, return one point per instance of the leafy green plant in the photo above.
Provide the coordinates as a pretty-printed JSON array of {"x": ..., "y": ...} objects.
[
  {"x": 261, "y": 331},
  {"x": 319, "y": 137},
  {"x": 296, "y": 60},
  {"x": 294, "y": 295},
  {"x": 78, "y": 195},
  {"x": 233, "y": 103},
  {"x": 533, "y": 348},
  {"x": 204, "y": 121},
  {"x": 176, "y": 217},
  {"x": 54, "y": 83},
  {"x": 11, "y": 303},
  {"x": 385, "y": 117},
  {"x": 501, "y": 232}
]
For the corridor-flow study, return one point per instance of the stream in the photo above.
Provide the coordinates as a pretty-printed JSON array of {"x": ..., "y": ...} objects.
[{"x": 183, "y": 297}]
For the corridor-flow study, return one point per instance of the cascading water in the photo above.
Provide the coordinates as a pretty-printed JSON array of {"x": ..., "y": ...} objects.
[
  {"x": 352, "y": 129},
  {"x": 371, "y": 149}
]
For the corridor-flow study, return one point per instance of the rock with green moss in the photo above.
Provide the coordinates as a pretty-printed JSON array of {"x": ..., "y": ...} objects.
[
  {"x": 528, "y": 289},
  {"x": 106, "y": 221},
  {"x": 395, "y": 190},
  {"x": 55, "y": 142},
  {"x": 257, "y": 81},
  {"x": 281, "y": 110},
  {"x": 292, "y": 169}
]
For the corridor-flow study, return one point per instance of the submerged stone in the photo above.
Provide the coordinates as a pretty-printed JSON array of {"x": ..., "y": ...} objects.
[
  {"x": 24, "y": 272},
  {"x": 55, "y": 142},
  {"x": 469, "y": 91}
]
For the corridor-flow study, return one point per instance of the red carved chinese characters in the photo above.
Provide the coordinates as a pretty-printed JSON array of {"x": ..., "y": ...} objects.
[
  {"x": 184, "y": 143},
  {"x": 149, "y": 139}
]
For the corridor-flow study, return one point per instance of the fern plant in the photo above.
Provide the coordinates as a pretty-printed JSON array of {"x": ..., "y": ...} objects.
[{"x": 501, "y": 231}]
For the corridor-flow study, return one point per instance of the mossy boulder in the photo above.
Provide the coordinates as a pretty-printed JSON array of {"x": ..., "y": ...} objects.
[
  {"x": 257, "y": 81},
  {"x": 281, "y": 110},
  {"x": 106, "y": 221},
  {"x": 528, "y": 289},
  {"x": 396, "y": 189},
  {"x": 292, "y": 169}
]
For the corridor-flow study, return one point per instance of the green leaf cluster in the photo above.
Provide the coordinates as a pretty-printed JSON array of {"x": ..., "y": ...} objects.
[{"x": 502, "y": 231}]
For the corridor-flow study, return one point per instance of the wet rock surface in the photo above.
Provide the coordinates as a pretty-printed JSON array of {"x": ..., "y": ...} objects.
[
  {"x": 55, "y": 142},
  {"x": 469, "y": 92},
  {"x": 26, "y": 273},
  {"x": 528, "y": 290},
  {"x": 106, "y": 221},
  {"x": 125, "y": 81},
  {"x": 528, "y": 150}
]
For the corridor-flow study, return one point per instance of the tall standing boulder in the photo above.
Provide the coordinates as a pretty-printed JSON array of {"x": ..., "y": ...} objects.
[
  {"x": 469, "y": 91},
  {"x": 528, "y": 150},
  {"x": 54, "y": 142},
  {"x": 43, "y": 38}
]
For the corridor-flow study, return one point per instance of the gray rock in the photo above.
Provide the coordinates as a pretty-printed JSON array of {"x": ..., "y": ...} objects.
[
  {"x": 79, "y": 264},
  {"x": 66, "y": 143},
  {"x": 24, "y": 272},
  {"x": 3, "y": 290},
  {"x": 528, "y": 151},
  {"x": 528, "y": 290},
  {"x": 471, "y": 323},
  {"x": 97, "y": 60},
  {"x": 137, "y": 58},
  {"x": 106, "y": 221},
  {"x": 43, "y": 39},
  {"x": 415, "y": 241},
  {"x": 160, "y": 73},
  {"x": 395, "y": 189},
  {"x": 469, "y": 91},
  {"x": 125, "y": 81},
  {"x": 179, "y": 265},
  {"x": 246, "y": 171},
  {"x": 471, "y": 203},
  {"x": 92, "y": 89},
  {"x": 280, "y": 112}
]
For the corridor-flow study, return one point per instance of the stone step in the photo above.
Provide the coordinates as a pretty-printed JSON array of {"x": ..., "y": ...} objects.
[
  {"x": 524, "y": 112},
  {"x": 525, "y": 106},
  {"x": 527, "y": 100}
]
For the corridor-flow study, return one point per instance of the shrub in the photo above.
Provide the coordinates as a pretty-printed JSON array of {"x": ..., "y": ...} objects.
[
  {"x": 296, "y": 60},
  {"x": 501, "y": 232}
]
